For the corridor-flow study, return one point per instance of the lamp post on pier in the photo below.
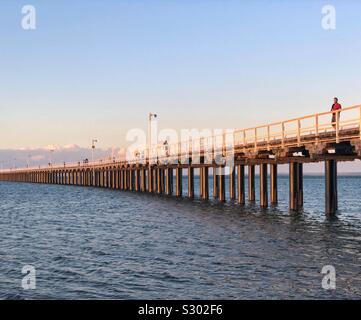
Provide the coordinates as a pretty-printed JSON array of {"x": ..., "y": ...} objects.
[
  {"x": 94, "y": 141},
  {"x": 150, "y": 117}
]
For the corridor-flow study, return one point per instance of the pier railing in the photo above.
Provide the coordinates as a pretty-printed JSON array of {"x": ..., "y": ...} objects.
[{"x": 306, "y": 130}]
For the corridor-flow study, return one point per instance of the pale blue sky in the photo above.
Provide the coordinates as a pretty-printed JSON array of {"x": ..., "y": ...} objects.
[{"x": 95, "y": 68}]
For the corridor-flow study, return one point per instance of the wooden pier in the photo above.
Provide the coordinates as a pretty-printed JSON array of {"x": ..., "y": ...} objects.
[{"x": 294, "y": 142}]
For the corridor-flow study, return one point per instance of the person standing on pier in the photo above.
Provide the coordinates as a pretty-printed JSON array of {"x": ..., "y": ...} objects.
[{"x": 335, "y": 106}]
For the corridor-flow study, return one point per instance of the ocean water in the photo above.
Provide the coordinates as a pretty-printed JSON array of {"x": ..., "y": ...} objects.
[{"x": 88, "y": 243}]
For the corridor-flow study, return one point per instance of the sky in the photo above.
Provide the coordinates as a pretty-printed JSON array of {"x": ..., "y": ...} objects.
[{"x": 94, "y": 69}]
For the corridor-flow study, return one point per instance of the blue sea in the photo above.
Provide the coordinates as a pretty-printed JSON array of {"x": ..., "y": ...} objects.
[{"x": 89, "y": 243}]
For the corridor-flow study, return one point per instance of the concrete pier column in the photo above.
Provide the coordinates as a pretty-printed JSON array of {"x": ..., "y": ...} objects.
[
  {"x": 205, "y": 183},
  {"x": 240, "y": 184},
  {"x": 143, "y": 186},
  {"x": 137, "y": 179},
  {"x": 263, "y": 185},
  {"x": 201, "y": 182},
  {"x": 166, "y": 178},
  {"x": 300, "y": 185},
  {"x": 215, "y": 182},
  {"x": 132, "y": 179},
  {"x": 105, "y": 177},
  {"x": 169, "y": 181},
  {"x": 159, "y": 182},
  {"x": 273, "y": 182},
  {"x": 179, "y": 182},
  {"x": 251, "y": 183},
  {"x": 126, "y": 178},
  {"x": 155, "y": 179},
  {"x": 121, "y": 179},
  {"x": 331, "y": 196},
  {"x": 294, "y": 186},
  {"x": 107, "y": 180},
  {"x": 336, "y": 186},
  {"x": 221, "y": 185},
  {"x": 150, "y": 179},
  {"x": 190, "y": 182},
  {"x": 162, "y": 180},
  {"x": 112, "y": 178},
  {"x": 117, "y": 178},
  {"x": 232, "y": 182},
  {"x": 171, "y": 174}
]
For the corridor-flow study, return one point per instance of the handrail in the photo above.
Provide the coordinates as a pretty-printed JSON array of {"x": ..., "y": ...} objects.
[{"x": 245, "y": 140}]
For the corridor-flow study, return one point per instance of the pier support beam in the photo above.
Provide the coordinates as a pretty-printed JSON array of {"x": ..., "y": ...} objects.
[
  {"x": 273, "y": 182},
  {"x": 190, "y": 182},
  {"x": 179, "y": 182},
  {"x": 121, "y": 179},
  {"x": 159, "y": 182},
  {"x": 162, "y": 180},
  {"x": 251, "y": 184},
  {"x": 137, "y": 179},
  {"x": 155, "y": 180},
  {"x": 300, "y": 185},
  {"x": 221, "y": 185},
  {"x": 143, "y": 179},
  {"x": 150, "y": 179},
  {"x": 215, "y": 183},
  {"x": 263, "y": 185},
  {"x": 204, "y": 183},
  {"x": 240, "y": 184},
  {"x": 331, "y": 186},
  {"x": 232, "y": 182},
  {"x": 131, "y": 179},
  {"x": 168, "y": 181},
  {"x": 296, "y": 186}
]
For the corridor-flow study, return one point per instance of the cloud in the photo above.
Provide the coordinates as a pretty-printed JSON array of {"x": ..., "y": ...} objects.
[{"x": 41, "y": 156}]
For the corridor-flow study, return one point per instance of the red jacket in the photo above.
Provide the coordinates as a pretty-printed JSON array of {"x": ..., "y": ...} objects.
[{"x": 336, "y": 106}]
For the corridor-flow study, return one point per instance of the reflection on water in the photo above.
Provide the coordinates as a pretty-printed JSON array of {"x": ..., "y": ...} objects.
[{"x": 99, "y": 243}]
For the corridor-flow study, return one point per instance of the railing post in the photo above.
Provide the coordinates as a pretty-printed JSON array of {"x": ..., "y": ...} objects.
[
  {"x": 283, "y": 134},
  {"x": 298, "y": 132},
  {"x": 268, "y": 138},
  {"x": 337, "y": 126},
  {"x": 244, "y": 135},
  {"x": 255, "y": 139}
]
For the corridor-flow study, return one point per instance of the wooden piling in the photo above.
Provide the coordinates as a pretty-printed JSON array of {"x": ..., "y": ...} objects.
[
  {"x": 240, "y": 184},
  {"x": 331, "y": 187},
  {"x": 273, "y": 182},
  {"x": 190, "y": 182},
  {"x": 251, "y": 183},
  {"x": 221, "y": 185},
  {"x": 263, "y": 185},
  {"x": 294, "y": 186},
  {"x": 179, "y": 182},
  {"x": 232, "y": 182}
]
